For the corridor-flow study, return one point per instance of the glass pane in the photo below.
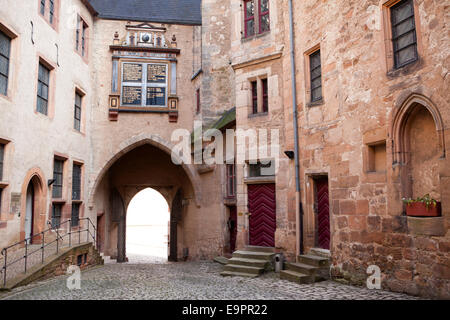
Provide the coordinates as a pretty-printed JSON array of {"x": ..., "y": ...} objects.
[
  {"x": 315, "y": 60},
  {"x": 78, "y": 100},
  {"x": 44, "y": 92},
  {"x": 3, "y": 85},
  {"x": 5, "y": 43},
  {"x": 250, "y": 27},
  {"x": 406, "y": 55},
  {"x": 156, "y": 96},
  {"x": 316, "y": 94},
  {"x": 265, "y": 24},
  {"x": 316, "y": 83},
  {"x": 404, "y": 41},
  {"x": 403, "y": 27},
  {"x": 4, "y": 63},
  {"x": 315, "y": 73},
  {"x": 250, "y": 8},
  {"x": 264, "y": 5},
  {"x": 403, "y": 11}
]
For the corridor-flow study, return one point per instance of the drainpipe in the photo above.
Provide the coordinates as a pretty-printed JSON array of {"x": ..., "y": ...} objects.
[{"x": 299, "y": 209}]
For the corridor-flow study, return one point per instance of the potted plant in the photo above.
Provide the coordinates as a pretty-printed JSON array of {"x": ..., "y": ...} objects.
[{"x": 424, "y": 206}]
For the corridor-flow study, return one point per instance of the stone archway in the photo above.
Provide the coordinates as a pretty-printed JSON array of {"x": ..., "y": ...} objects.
[
  {"x": 34, "y": 180},
  {"x": 135, "y": 142},
  {"x": 418, "y": 145},
  {"x": 143, "y": 165}
]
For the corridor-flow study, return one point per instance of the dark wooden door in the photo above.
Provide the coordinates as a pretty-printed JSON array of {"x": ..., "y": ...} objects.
[
  {"x": 232, "y": 226},
  {"x": 175, "y": 216},
  {"x": 262, "y": 220},
  {"x": 323, "y": 213}
]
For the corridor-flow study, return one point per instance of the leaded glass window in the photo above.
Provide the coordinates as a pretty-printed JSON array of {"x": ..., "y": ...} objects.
[
  {"x": 316, "y": 76},
  {"x": 254, "y": 85},
  {"x": 43, "y": 88},
  {"x": 404, "y": 36},
  {"x": 75, "y": 216},
  {"x": 77, "y": 112},
  {"x": 264, "y": 20},
  {"x": 5, "y": 48},
  {"x": 265, "y": 96},
  {"x": 249, "y": 18},
  {"x": 76, "y": 182},
  {"x": 56, "y": 215},
  {"x": 58, "y": 177}
]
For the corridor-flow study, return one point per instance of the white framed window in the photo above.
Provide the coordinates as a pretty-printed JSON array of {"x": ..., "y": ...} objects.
[{"x": 144, "y": 84}]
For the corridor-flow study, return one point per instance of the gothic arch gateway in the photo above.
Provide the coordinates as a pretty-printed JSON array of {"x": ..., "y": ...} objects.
[{"x": 145, "y": 163}]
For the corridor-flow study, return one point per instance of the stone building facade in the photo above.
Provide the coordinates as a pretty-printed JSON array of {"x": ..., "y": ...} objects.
[{"x": 373, "y": 115}]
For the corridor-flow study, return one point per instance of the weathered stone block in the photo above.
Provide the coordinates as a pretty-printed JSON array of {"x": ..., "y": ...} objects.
[{"x": 433, "y": 226}]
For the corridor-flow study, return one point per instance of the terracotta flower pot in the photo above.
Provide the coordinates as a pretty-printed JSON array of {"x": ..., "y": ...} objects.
[{"x": 418, "y": 209}]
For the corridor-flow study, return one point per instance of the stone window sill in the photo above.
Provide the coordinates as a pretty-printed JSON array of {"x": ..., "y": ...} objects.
[
  {"x": 315, "y": 103},
  {"x": 259, "y": 114}
]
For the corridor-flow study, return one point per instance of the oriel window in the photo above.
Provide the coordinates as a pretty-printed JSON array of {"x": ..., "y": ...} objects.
[
  {"x": 58, "y": 166},
  {"x": 43, "y": 89},
  {"x": 404, "y": 36},
  {"x": 249, "y": 17},
  {"x": 77, "y": 112},
  {"x": 5, "y": 48},
  {"x": 316, "y": 76}
]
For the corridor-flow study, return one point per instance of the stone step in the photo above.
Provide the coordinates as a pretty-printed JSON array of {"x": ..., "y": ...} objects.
[
  {"x": 243, "y": 269},
  {"x": 237, "y": 274},
  {"x": 302, "y": 268},
  {"x": 253, "y": 255},
  {"x": 248, "y": 262},
  {"x": 296, "y": 277},
  {"x": 320, "y": 252},
  {"x": 313, "y": 260},
  {"x": 259, "y": 249}
]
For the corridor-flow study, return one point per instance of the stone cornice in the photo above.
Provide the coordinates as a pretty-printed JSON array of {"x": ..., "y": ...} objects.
[{"x": 259, "y": 60}]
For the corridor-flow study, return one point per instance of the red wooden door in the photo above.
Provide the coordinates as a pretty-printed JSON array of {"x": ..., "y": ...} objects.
[
  {"x": 262, "y": 221},
  {"x": 323, "y": 214}
]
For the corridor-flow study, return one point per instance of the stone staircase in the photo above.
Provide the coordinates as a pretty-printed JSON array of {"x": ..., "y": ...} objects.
[
  {"x": 310, "y": 268},
  {"x": 249, "y": 262}
]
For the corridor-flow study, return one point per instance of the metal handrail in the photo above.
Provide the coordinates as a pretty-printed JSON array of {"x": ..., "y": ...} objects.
[{"x": 59, "y": 237}]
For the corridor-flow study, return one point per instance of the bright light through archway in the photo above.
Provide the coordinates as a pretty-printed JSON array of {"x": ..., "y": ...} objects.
[{"x": 148, "y": 225}]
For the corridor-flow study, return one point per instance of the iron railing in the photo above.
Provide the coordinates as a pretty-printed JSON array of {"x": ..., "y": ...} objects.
[{"x": 56, "y": 229}]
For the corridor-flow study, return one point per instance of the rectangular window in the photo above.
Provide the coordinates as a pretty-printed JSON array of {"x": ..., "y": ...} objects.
[
  {"x": 254, "y": 85},
  {"x": 77, "y": 112},
  {"x": 316, "y": 76},
  {"x": 77, "y": 37},
  {"x": 43, "y": 7},
  {"x": 1, "y": 191},
  {"x": 197, "y": 95},
  {"x": 52, "y": 11},
  {"x": 231, "y": 180},
  {"x": 249, "y": 17},
  {"x": 58, "y": 166},
  {"x": 261, "y": 169},
  {"x": 75, "y": 216},
  {"x": 76, "y": 182},
  {"x": 83, "y": 39},
  {"x": 144, "y": 84},
  {"x": 2, "y": 155},
  {"x": 43, "y": 88},
  {"x": 265, "y": 95},
  {"x": 56, "y": 215},
  {"x": 264, "y": 20},
  {"x": 404, "y": 36},
  {"x": 5, "y": 48}
]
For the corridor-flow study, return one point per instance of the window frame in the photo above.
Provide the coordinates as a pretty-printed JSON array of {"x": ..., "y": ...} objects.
[
  {"x": 312, "y": 79},
  {"x": 261, "y": 14},
  {"x": 55, "y": 217},
  {"x": 76, "y": 188},
  {"x": 41, "y": 83},
  {"x": 58, "y": 195},
  {"x": 8, "y": 62},
  {"x": 247, "y": 19},
  {"x": 231, "y": 180},
  {"x": 265, "y": 95},
  {"x": 76, "y": 218},
  {"x": 197, "y": 96},
  {"x": 254, "y": 95},
  {"x": 144, "y": 85},
  {"x": 77, "y": 121},
  {"x": 2, "y": 159},
  {"x": 395, "y": 38}
]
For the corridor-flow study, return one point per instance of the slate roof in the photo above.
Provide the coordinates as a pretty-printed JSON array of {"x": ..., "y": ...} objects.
[{"x": 160, "y": 11}]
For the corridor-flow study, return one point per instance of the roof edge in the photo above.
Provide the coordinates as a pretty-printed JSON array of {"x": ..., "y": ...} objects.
[
  {"x": 168, "y": 21},
  {"x": 89, "y": 6}
]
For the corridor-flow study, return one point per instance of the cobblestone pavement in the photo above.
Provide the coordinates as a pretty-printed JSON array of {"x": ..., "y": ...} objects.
[{"x": 146, "y": 278}]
